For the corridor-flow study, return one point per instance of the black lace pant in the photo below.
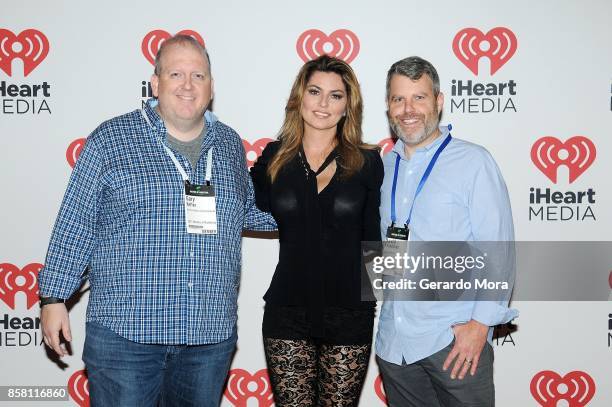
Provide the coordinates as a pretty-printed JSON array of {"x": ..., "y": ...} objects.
[{"x": 307, "y": 371}]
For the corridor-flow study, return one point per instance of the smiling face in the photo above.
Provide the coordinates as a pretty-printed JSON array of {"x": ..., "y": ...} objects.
[
  {"x": 324, "y": 101},
  {"x": 413, "y": 109},
  {"x": 183, "y": 87}
]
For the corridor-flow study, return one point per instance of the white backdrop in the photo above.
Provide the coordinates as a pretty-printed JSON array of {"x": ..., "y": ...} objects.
[{"x": 554, "y": 59}]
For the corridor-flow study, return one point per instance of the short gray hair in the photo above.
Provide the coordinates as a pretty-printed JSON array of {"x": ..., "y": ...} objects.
[
  {"x": 414, "y": 67},
  {"x": 181, "y": 39}
]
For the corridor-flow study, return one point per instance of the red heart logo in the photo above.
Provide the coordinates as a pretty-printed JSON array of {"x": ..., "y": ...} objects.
[
  {"x": 14, "y": 280},
  {"x": 386, "y": 145},
  {"x": 31, "y": 46},
  {"x": 379, "y": 389},
  {"x": 242, "y": 385},
  {"x": 74, "y": 150},
  {"x": 153, "y": 40},
  {"x": 78, "y": 388},
  {"x": 253, "y": 151},
  {"x": 498, "y": 45},
  {"x": 548, "y": 388},
  {"x": 342, "y": 44},
  {"x": 577, "y": 153}
]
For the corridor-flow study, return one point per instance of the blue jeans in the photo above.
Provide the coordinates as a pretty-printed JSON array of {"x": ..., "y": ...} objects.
[{"x": 126, "y": 373}]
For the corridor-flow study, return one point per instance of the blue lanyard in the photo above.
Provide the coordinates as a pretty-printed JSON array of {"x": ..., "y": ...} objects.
[{"x": 421, "y": 183}]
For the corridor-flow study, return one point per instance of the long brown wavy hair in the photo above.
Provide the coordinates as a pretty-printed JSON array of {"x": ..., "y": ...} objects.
[{"x": 348, "y": 131}]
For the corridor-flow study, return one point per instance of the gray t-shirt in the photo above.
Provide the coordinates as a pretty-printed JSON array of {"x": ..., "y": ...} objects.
[{"x": 190, "y": 149}]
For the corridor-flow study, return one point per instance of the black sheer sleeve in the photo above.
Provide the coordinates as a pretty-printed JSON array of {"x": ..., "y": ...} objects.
[
  {"x": 373, "y": 174},
  {"x": 260, "y": 177}
]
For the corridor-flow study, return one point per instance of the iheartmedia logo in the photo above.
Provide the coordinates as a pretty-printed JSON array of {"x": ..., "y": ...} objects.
[
  {"x": 342, "y": 44},
  {"x": 150, "y": 45},
  {"x": 470, "y": 45},
  {"x": 19, "y": 330},
  {"x": 253, "y": 151},
  {"x": 31, "y": 47},
  {"x": 74, "y": 150},
  {"x": 576, "y": 388},
  {"x": 379, "y": 389},
  {"x": 576, "y": 154},
  {"x": 386, "y": 145},
  {"x": 242, "y": 388},
  {"x": 78, "y": 388},
  {"x": 14, "y": 280},
  {"x": 498, "y": 45}
]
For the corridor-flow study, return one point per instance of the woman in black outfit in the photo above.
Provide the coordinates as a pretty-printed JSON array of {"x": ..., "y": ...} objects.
[{"x": 322, "y": 185}]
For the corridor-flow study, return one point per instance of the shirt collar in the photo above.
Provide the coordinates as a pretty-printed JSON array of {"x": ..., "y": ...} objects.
[{"x": 399, "y": 145}]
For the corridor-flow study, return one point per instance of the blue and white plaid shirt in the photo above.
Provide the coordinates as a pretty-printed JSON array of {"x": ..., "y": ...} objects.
[{"x": 123, "y": 217}]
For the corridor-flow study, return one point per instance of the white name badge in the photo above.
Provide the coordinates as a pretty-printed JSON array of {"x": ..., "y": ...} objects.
[
  {"x": 200, "y": 209},
  {"x": 200, "y": 204}
]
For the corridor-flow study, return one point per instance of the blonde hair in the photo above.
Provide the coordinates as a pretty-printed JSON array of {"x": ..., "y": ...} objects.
[
  {"x": 184, "y": 40},
  {"x": 348, "y": 132}
]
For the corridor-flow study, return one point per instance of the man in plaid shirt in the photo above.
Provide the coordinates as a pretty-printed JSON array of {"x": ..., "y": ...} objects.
[{"x": 154, "y": 210}]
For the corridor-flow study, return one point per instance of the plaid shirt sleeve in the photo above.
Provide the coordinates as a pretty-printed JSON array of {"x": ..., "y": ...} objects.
[
  {"x": 73, "y": 236},
  {"x": 254, "y": 218}
]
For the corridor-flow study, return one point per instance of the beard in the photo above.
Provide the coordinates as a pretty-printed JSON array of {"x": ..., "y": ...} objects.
[{"x": 416, "y": 137}]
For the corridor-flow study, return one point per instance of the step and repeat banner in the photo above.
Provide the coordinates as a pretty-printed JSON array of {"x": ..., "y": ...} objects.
[{"x": 530, "y": 81}]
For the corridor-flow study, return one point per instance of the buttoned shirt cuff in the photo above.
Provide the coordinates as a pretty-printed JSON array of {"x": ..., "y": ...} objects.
[
  {"x": 55, "y": 284},
  {"x": 491, "y": 313},
  {"x": 260, "y": 222}
]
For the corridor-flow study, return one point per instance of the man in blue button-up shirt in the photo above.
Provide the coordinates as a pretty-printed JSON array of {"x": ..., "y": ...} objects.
[
  {"x": 437, "y": 353},
  {"x": 161, "y": 320}
]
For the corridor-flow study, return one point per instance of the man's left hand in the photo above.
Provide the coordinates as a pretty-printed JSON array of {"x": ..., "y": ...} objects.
[{"x": 470, "y": 339}]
